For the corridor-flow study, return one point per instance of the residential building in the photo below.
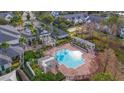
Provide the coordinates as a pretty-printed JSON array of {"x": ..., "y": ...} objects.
[
  {"x": 45, "y": 37},
  {"x": 55, "y": 13},
  {"x": 7, "y": 57},
  {"x": 26, "y": 13},
  {"x": 58, "y": 33},
  {"x": 9, "y": 34},
  {"x": 27, "y": 33},
  {"x": 83, "y": 18},
  {"x": 6, "y": 15},
  {"x": 5, "y": 63},
  {"x": 90, "y": 47},
  {"x": 76, "y": 18}
]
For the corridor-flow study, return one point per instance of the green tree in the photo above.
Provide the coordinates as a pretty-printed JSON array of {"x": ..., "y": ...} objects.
[
  {"x": 49, "y": 76},
  {"x": 17, "y": 20},
  {"x": 29, "y": 55},
  {"x": 39, "y": 53},
  {"x": 46, "y": 18},
  {"x": 28, "y": 16},
  {"x": 60, "y": 76},
  {"x": 102, "y": 77},
  {"x": 112, "y": 19},
  {"x": 4, "y": 46},
  {"x": 33, "y": 30},
  {"x": 113, "y": 23},
  {"x": 22, "y": 41}
]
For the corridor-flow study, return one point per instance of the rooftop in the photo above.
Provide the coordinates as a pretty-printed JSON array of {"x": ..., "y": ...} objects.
[
  {"x": 9, "y": 29},
  {"x": 75, "y": 15},
  {"x": 92, "y": 18},
  {"x": 95, "y": 18},
  {"x": 12, "y": 51},
  {"x": 4, "y": 37},
  {"x": 4, "y": 14},
  {"x": 3, "y": 61},
  {"x": 42, "y": 31},
  {"x": 8, "y": 33},
  {"x": 58, "y": 33},
  {"x": 83, "y": 41}
]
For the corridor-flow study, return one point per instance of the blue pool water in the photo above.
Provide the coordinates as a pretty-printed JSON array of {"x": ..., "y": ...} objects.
[{"x": 70, "y": 59}]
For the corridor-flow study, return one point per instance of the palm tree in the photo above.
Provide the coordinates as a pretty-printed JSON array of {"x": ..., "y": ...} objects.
[
  {"x": 17, "y": 20},
  {"x": 22, "y": 42}
]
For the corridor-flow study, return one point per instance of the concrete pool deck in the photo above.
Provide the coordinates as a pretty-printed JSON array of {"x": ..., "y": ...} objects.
[{"x": 84, "y": 69}]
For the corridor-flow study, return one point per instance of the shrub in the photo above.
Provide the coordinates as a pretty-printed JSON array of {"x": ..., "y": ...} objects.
[
  {"x": 3, "y": 21},
  {"x": 29, "y": 55},
  {"x": 102, "y": 77},
  {"x": 60, "y": 76},
  {"x": 39, "y": 53},
  {"x": 120, "y": 55}
]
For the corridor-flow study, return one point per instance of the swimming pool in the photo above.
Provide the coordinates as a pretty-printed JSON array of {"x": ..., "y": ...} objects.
[{"x": 70, "y": 59}]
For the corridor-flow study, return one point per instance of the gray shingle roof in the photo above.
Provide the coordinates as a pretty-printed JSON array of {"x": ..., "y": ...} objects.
[
  {"x": 42, "y": 31},
  {"x": 8, "y": 33},
  {"x": 95, "y": 18},
  {"x": 83, "y": 41},
  {"x": 59, "y": 33},
  {"x": 11, "y": 52},
  {"x": 3, "y": 14},
  {"x": 75, "y": 15},
  {"x": 27, "y": 33},
  {"x": 3, "y": 61},
  {"x": 4, "y": 37},
  {"x": 9, "y": 29}
]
